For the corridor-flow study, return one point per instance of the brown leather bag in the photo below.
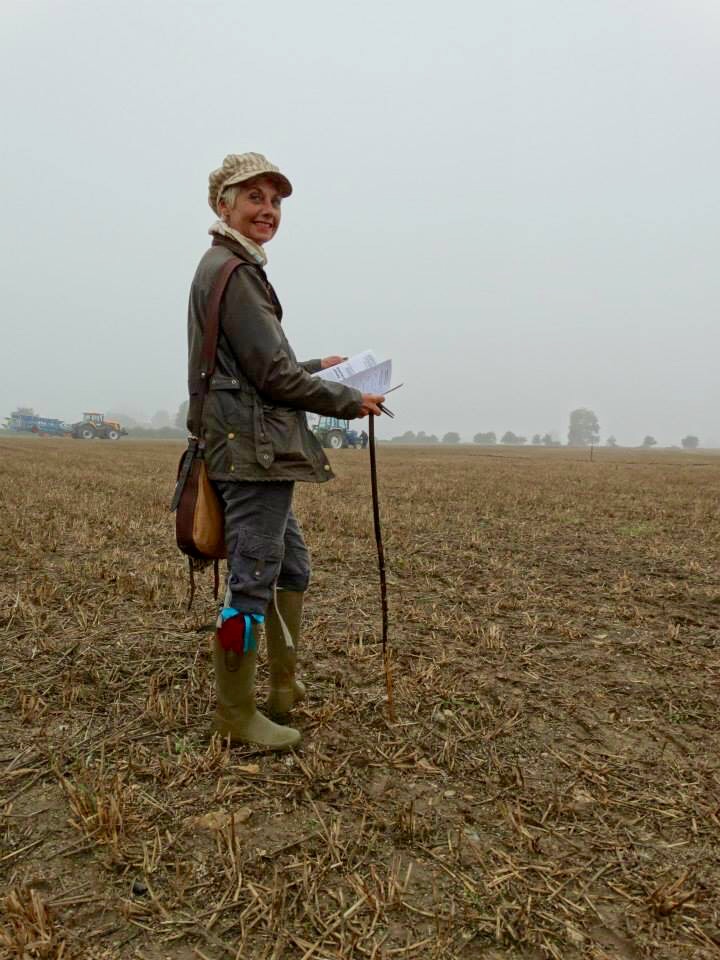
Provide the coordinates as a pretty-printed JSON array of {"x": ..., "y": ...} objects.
[{"x": 199, "y": 519}]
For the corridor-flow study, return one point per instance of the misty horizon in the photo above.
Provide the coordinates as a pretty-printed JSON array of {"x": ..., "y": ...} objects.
[{"x": 139, "y": 422}]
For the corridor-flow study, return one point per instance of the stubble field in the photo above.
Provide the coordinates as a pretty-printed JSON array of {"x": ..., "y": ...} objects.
[{"x": 549, "y": 788}]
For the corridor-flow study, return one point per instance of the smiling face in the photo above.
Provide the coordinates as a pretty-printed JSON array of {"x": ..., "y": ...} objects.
[{"x": 256, "y": 210}]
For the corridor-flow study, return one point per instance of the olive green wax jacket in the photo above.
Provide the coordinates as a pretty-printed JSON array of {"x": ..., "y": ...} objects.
[{"x": 253, "y": 421}]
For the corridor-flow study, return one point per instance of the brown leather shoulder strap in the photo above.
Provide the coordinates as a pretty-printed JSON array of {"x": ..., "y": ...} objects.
[
  {"x": 211, "y": 332},
  {"x": 212, "y": 320}
]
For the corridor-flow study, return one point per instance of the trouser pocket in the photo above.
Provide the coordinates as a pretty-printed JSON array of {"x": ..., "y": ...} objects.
[{"x": 255, "y": 560}]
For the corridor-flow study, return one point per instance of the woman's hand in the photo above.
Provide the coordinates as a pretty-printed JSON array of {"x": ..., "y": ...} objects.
[
  {"x": 371, "y": 404},
  {"x": 331, "y": 362}
]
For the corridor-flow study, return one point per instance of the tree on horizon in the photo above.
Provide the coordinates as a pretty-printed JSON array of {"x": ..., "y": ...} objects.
[{"x": 584, "y": 428}]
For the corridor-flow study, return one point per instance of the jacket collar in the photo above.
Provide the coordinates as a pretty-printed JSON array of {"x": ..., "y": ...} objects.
[
  {"x": 235, "y": 247},
  {"x": 222, "y": 229}
]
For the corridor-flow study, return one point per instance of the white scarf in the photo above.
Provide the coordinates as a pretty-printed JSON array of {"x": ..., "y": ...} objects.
[{"x": 221, "y": 229}]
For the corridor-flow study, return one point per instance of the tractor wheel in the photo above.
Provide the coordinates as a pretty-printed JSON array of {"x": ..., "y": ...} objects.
[
  {"x": 87, "y": 433},
  {"x": 335, "y": 439},
  {"x": 113, "y": 435}
]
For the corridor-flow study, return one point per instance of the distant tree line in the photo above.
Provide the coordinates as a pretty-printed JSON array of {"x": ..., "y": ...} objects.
[
  {"x": 160, "y": 426},
  {"x": 509, "y": 438},
  {"x": 583, "y": 431},
  {"x": 420, "y": 437}
]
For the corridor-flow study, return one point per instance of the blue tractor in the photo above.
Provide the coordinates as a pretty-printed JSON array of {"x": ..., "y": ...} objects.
[{"x": 335, "y": 433}]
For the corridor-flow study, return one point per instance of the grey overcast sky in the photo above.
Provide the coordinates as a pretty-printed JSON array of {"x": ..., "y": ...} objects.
[{"x": 516, "y": 200}]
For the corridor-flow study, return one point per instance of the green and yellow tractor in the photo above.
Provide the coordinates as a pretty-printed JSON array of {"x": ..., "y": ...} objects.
[{"x": 95, "y": 425}]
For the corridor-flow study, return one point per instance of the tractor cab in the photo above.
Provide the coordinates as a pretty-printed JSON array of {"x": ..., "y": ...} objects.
[{"x": 97, "y": 418}]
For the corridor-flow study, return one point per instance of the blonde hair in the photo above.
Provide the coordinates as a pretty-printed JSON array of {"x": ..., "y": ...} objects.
[{"x": 230, "y": 194}]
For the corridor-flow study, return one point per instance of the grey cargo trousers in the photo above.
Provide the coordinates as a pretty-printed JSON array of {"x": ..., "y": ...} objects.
[{"x": 265, "y": 546}]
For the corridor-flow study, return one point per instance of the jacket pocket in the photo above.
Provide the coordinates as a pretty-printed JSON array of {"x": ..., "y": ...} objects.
[
  {"x": 229, "y": 432},
  {"x": 283, "y": 429}
]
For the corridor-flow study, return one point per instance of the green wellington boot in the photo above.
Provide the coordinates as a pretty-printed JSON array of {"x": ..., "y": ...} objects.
[
  {"x": 236, "y": 715},
  {"x": 282, "y": 632}
]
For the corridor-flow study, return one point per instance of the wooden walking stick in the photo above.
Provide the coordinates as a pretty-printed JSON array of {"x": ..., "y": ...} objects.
[{"x": 381, "y": 565}]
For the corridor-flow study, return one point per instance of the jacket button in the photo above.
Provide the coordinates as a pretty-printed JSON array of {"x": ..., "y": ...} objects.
[
  {"x": 231, "y": 436},
  {"x": 231, "y": 468},
  {"x": 266, "y": 456},
  {"x": 326, "y": 467}
]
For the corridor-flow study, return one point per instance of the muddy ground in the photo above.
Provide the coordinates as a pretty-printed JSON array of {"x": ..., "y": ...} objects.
[{"x": 549, "y": 788}]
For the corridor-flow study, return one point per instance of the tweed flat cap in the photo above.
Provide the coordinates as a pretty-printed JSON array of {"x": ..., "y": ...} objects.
[{"x": 243, "y": 166}]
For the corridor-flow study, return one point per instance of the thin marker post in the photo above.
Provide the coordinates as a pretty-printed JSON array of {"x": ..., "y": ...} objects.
[{"x": 381, "y": 566}]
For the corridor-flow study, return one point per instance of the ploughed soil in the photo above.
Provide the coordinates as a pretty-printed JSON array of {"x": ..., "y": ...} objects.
[{"x": 548, "y": 788}]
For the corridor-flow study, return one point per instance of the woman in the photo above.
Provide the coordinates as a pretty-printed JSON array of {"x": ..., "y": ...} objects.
[{"x": 257, "y": 445}]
